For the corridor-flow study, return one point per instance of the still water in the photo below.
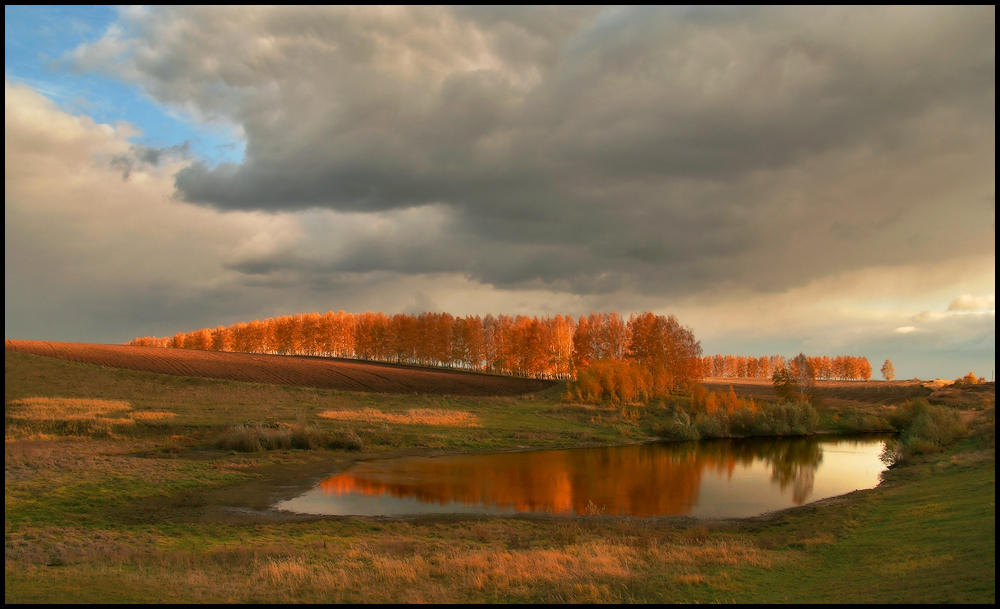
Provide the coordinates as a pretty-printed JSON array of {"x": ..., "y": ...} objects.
[{"x": 713, "y": 478}]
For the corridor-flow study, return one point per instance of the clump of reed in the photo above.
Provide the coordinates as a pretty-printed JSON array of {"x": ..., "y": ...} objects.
[{"x": 259, "y": 437}]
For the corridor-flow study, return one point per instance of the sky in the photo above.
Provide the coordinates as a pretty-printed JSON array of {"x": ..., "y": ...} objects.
[{"x": 780, "y": 179}]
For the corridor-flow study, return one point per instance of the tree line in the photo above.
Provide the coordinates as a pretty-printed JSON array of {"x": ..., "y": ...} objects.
[
  {"x": 645, "y": 355},
  {"x": 840, "y": 367},
  {"x": 543, "y": 347}
]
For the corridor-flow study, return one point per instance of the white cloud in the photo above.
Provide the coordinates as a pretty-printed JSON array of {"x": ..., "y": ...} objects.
[
  {"x": 968, "y": 302},
  {"x": 87, "y": 250}
]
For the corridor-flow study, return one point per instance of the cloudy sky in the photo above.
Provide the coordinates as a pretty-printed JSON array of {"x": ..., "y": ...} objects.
[{"x": 782, "y": 180}]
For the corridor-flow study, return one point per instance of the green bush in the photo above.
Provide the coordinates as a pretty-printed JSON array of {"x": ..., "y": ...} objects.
[
  {"x": 925, "y": 429},
  {"x": 679, "y": 428},
  {"x": 861, "y": 422},
  {"x": 784, "y": 419}
]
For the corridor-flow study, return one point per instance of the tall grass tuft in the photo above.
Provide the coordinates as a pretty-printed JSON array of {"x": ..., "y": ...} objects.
[{"x": 258, "y": 437}]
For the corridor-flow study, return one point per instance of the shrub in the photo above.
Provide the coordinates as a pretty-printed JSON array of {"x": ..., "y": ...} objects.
[
  {"x": 969, "y": 379},
  {"x": 767, "y": 419},
  {"x": 679, "y": 428},
  {"x": 861, "y": 422},
  {"x": 926, "y": 429},
  {"x": 985, "y": 428}
]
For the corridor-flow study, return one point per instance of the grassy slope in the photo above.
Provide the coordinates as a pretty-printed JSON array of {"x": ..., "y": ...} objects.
[
  {"x": 115, "y": 519},
  {"x": 928, "y": 537}
]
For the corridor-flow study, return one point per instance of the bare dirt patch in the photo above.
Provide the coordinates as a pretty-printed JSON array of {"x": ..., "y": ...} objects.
[{"x": 301, "y": 371}]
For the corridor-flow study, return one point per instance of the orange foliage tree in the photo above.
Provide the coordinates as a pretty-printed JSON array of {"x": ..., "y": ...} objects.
[{"x": 663, "y": 354}]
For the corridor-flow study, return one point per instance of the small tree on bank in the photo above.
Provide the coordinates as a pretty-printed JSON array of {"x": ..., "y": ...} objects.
[{"x": 888, "y": 372}]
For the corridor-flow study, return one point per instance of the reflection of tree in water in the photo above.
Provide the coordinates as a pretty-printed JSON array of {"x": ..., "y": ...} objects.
[
  {"x": 650, "y": 479},
  {"x": 792, "y": 460},
  {"x": 637, "y": 480},
  {"x": 795, "y": 462}
]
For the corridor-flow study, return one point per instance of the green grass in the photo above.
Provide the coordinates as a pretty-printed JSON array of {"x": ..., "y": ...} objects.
[
  {"x": 205, "y": 408},
  {"x": 140, "y": 515},
  {"x": 927, "y": 538}
]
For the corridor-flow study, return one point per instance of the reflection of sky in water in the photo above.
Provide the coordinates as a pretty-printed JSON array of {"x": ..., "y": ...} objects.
[
  {"x": 727, "y": 478},
  {"x": 356, "y": 504}
]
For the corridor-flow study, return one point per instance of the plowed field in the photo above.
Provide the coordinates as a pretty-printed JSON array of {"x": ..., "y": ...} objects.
[
  {"x": 302, "y": 371},
  {"x": 834, "y": 393}
]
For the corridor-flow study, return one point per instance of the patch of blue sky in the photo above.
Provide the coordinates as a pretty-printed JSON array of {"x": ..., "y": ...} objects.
[{"x": 38, "y": 38}]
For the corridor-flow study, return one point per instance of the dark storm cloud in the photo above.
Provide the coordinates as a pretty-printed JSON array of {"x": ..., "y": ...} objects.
[{"x": 664, "y": 150}]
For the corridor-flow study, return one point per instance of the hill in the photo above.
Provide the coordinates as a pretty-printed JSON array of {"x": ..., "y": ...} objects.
[{"x": 296, "y": 370}]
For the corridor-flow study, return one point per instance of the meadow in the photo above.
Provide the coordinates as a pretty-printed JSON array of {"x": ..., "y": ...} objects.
[{"x": 132, "y": 486}]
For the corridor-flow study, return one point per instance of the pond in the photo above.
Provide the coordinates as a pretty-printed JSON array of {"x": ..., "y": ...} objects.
[{"x": 710, "y": 478}]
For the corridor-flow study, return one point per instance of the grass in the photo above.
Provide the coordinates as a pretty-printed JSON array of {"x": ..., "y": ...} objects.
[
  {"x": 930, "y": 537},
  {"x": 205, "y": 409},
  {"x": 256, "y": 438},
  {"x": 39, "y": 416},
  {"x": 413, "y": 416},
  {"x": 138, "y": 512}
]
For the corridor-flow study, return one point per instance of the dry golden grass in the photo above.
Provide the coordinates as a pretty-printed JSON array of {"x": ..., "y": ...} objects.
[
  {"x": 399, "y": 563},
  {"x": 691, "y": 579},
  {"x": 64, "y": 408},
  {"x": 151, "y": 415},
  {"x": 38, "y": 416},
  {"x": 822, "y": 539},
  {"x": 591, "y": 570},
  {"x": 413, "y": 416},
  {"x": 282, "y": 571}
]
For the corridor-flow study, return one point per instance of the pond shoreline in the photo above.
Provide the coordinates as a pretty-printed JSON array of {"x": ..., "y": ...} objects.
[{"x": 283, "y": 483}]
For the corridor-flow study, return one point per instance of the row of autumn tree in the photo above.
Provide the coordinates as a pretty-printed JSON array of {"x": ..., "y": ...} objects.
[
  {"x": 545, "y": 347},
  {"x": 841, "y": 367}
]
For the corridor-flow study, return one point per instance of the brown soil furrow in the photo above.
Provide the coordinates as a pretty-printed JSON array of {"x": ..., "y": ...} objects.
[{"x": 303, "y": 371}]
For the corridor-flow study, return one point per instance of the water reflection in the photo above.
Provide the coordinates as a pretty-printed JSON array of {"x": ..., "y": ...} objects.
[{"x": 708, "y": 478}]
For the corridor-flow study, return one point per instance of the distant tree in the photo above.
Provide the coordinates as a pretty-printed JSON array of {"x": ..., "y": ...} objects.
[
  {"x": 864, "y": 369},
  {"x": 888, "y": 372},
  {"x": 803, "y": 369},
  {"x": 784, "y": 384},
  {"x": 796, "y": 381},
  {"x": 177, "y": 342}
]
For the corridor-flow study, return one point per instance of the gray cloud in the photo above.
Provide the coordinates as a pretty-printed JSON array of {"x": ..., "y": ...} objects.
[
  {"x": 139, "y": 155},
  {"x": 663, "y": 150}
]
